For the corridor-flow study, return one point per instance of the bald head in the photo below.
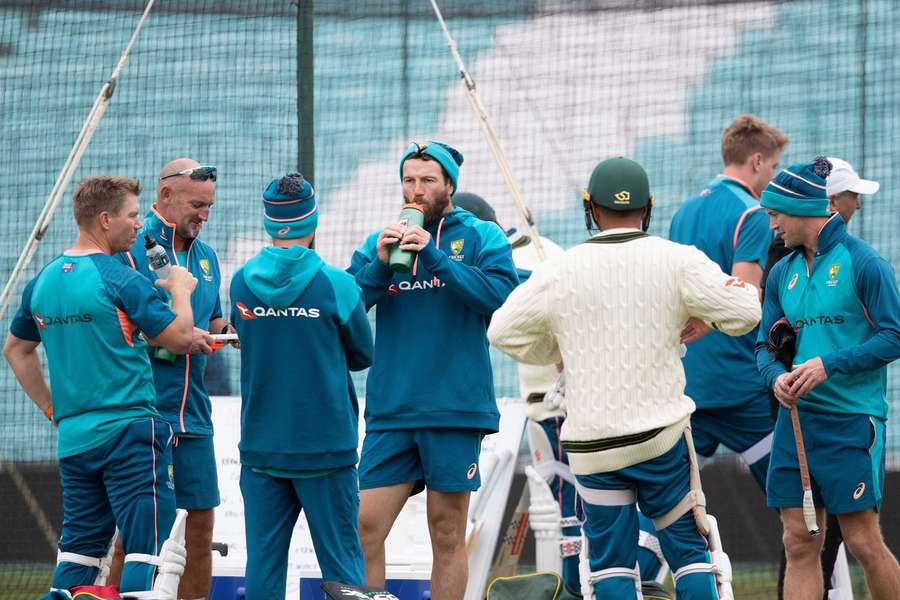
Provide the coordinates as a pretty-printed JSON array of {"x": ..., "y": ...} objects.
[
  {"x": 172, "y": 167},
  {"x": 183, "y": 200}
]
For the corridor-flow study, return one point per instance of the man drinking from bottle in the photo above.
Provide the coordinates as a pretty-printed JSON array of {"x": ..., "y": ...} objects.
[{"x": 430, "y": 395}]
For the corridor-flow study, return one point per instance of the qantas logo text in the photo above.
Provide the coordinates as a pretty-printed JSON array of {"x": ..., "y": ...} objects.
[
  {"x": 45, "y": 322},
  {"x": 406, "y": 286},
  {"x": 819, "y": 320},
  {"x": 248, "y": 314}
]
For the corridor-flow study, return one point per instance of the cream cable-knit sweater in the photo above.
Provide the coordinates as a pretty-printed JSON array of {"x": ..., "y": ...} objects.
[
  {"x": 612, "y": 310},
  {"x": 535, "y": 379}
]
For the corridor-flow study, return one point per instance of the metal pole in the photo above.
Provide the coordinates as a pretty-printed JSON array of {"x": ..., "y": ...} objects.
[
  {"x": 863, "y": 46},
  {"x": 306, "y": 154}
]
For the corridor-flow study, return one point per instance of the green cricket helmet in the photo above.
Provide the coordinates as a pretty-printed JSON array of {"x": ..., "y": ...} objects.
[{"x": 618, "y": 184}]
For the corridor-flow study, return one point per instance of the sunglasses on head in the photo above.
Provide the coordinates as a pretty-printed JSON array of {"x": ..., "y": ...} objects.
[
  {"x": 420, "y": 148},
  {"x": 195, "y": 173}
]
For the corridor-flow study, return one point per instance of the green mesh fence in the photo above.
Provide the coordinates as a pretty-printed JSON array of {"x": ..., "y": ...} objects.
[{"x": 565, "y": 84}]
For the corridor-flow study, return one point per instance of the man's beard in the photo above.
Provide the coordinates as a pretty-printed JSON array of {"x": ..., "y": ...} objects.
[
  {"x": 433, "y": 211},
  {"x": 185, "y": 233}
]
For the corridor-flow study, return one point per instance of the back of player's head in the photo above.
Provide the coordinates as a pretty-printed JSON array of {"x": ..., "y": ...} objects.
[
  {"x": 747, "y": 135},
  {"x": 100, "y": 194},
  {"x": 619, "y": 184},
  {"x": 476, "y": 205},
  {"x": 290, "y": 210}
]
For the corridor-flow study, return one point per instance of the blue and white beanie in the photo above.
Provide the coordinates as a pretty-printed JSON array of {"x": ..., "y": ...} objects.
[
  {"x": 290, "y": 210},
  {"x": 799, "y": 190}
]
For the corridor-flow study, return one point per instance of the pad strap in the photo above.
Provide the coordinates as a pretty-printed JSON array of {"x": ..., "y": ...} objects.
[
  {"x": 598, "y": 576},
  {"x": 694, "y": 500},
  {"x": 691, "y": 499},
  {"x": 78, "y": 559},
  {"x": 569, "y": 545},
  {"x": 606, "y": 497},
  {"x": 570, "y": 522},
  {"x": 693, "y": 568},
  {"x": 699, "y": 507},
  {"x": 150, "y": 559}
]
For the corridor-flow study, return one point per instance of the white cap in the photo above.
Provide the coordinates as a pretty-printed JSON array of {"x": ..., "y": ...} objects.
[{"x": 844, "y": 178}]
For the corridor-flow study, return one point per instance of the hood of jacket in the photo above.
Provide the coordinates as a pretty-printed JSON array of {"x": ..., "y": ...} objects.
[{"x": 277, "y": 276}]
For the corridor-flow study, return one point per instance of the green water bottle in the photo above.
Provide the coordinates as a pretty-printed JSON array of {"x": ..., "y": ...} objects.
[{"x": 401, "y": 261}]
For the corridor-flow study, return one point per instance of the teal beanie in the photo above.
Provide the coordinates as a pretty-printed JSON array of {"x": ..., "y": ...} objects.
[
  {"x": 799, "y": 190},
  {"x": 289, "y": 207},
  {"x": 449, "y": 158}
]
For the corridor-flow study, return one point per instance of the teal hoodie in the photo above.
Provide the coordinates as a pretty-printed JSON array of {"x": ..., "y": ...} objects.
[
  {"x": 846, "y": 310},
  {"x": 278, "y": 275},
  {"x": 303, "y": 327},
  {"x": 432, "y": 366},
  {"x": 181, "y": 395}
]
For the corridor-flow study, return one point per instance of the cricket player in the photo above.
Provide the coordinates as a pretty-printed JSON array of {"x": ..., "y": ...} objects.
[
  {"x": 726, "y": 223},
  {"x": 185, "y": 193},
  {"x": 303, "y": 327},
  {"x": 841, "y": 297},
  {"x": 535, "y": 381},
  {"x": 92, "y": 313},
  {"x": 430, "y": 392},
  {"x": 612, "y": 310},
  {"x": 843, "y": 187}
]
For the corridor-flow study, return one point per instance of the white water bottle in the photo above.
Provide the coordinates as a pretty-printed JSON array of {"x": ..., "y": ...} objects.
[
  {"x": 156, "y": 257},
  {"x": 158, "y": 262}
]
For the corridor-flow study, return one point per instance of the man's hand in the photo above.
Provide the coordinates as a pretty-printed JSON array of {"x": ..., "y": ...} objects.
[
  {"x": 694, "y": 330},
  {"x": 807, "y": 376},
  {"x": 179, "y": 281},
  {"x": 415, "y": 238},
  {"x": 201, "y": 342},
  {"x": 782, "y": 390},
  {"x": 386, "y": 240},
  {"x": 230, "y": 329}
]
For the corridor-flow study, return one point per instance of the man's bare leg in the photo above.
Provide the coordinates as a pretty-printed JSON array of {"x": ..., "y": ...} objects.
[
  {"x": 115, "y": 567},
  {"x": 378, "y": 509},
  {"x": 862, "y": 534},
  {"x": 447, "y": 513},
  {"x": 803, "y": 575},
  {"x": 197, "y": 578}
]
